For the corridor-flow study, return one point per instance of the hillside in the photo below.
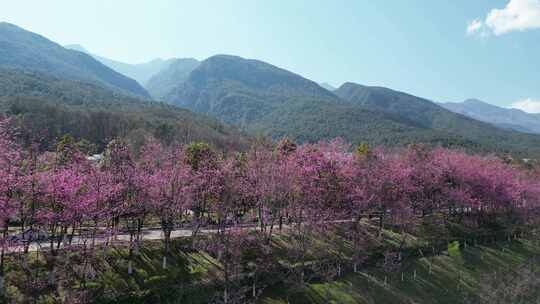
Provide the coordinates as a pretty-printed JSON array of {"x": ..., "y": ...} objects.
[
  {"x": 271, "y": 101},
  {"x": 506, "y": 272},
  {"x": 265, "y": 99},
  {"x": 53, "y": 107},
  {"x": 176, "y": 72},
  {"x": 22, "y": 49},
  {"x": 427, "y": 114},
  {"x": 513, "y": 119},
  {"x": 232, "y": 74}
]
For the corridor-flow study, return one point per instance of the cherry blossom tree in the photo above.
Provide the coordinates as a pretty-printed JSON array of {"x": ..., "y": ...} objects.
[
  {"x": 168, "y": 181},
  {"x": 10, "y": 177}
]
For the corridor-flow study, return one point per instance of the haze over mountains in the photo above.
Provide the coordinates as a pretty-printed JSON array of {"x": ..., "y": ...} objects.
[
  {"x": 327, "y": 86},
  {"x": 165, "y": 80},
  {"x": 141, "y": 72},
  {"x": 513, "y": 119},
  {"x": 258, "y": 97},
  {"x": 158, "y": 76}
]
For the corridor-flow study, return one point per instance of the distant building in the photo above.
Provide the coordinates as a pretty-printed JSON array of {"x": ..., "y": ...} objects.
[{"x": 95, "y": 157}]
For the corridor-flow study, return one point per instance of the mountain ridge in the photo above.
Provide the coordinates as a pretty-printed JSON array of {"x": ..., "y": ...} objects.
[
  {"x": 508, "y": 118},
  {"x": 260, "y": 97},
  {"x": 141, "y": 72},
  {"x": 23, "y": 49}
]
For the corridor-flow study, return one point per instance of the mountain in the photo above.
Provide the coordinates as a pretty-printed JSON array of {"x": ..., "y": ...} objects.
[
  {"x": 47, "y": 107},
  {"x": 268, "y": 100},
  {"x": 141, "y": 72},
  {"x": 327, "y": 86},
  {"x": 171, "y": 76},
  {"x": 427, "y": 114},
  {"x": 419, "y": 111},
  {"x": 513, "y": 119},
  {"x": 22, "y": 49},
  {"x": 242, "y": 91}
]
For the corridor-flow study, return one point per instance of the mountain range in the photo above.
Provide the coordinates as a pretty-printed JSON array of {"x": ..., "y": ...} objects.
[
  {"x": 513, "y": 119},
  {"x": 262, "y": 98},
  {"x": 158, "y": 76},
  {"x": 221, "y": 93},
  {"x": 22, "y": 49}
]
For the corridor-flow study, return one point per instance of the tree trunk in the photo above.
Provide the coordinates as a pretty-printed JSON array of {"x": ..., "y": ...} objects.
[
  {"x": 167, "y": 248},
  {"x": 130, "y": 267},
  {"x": 63, "y": 232},
  {"x": 51, "y": 280},
  {"x": 2, "y": 280},
  {"x": 2, "y": 286},
  {"x": 2, "y": 257},
  {"x": 261, "y": 222},
  {"x": 381, "y": 223},
  {"x": 130, "y": 258},
  {"x": 72, "y": 234}
]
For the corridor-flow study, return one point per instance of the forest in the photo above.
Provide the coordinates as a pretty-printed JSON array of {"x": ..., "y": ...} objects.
[{"x": 275, "y": 213}]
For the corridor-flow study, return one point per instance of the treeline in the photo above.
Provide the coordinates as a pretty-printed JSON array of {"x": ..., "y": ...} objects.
[
  {"x": 45, "y": 122},
  {"x": 46, "y": 108},
  {"x": 60, "y": 205}
]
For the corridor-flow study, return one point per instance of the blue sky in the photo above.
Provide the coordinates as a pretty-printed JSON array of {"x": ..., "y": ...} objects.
[{"x": 428, "y": 48}]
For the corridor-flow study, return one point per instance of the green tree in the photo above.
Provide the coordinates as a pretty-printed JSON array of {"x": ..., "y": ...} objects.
[{"x": 198, "y": 154}]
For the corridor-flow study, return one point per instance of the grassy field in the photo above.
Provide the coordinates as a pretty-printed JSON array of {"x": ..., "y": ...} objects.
[
  {"x": 460, "y": 274},
  {"x": 186, "y": 280}
]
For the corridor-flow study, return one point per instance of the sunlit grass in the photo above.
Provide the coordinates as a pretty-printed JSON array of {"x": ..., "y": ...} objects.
[{"x": 454, "y": 278}]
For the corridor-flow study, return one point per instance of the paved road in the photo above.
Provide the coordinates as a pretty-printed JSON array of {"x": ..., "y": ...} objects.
[{"x": 146, "y": 235}]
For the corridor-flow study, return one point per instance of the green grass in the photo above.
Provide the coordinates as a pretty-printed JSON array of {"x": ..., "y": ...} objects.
[
  {"x": 455, "y": 278},
  {"x": 456, "y": 274},
  {"x": 186, "y": 280}
]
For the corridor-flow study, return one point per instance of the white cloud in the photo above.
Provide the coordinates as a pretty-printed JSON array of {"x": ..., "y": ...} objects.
[
  {"x": 474, "y": 26},
  {"x": 518, "y": 15},
  {"x": 528, "y": 105}
]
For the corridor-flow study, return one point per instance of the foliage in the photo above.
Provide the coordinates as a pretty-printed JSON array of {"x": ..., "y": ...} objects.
[
  {"x": 47, "y": 108},
  {"x": 328, "y": 206}
]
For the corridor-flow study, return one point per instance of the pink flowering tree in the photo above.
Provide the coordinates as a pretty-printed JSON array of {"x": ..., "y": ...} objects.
[
  {"x": 206, "y": 184},
  {"x": 168, "y": 183},
  {"x": 129, "y": 203},
  {"x": 229, "y": 241},
  {"x": 269, "y": 185},
  {"x": 59, "y": 209},
  {"x": 10, "y": 177}
]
